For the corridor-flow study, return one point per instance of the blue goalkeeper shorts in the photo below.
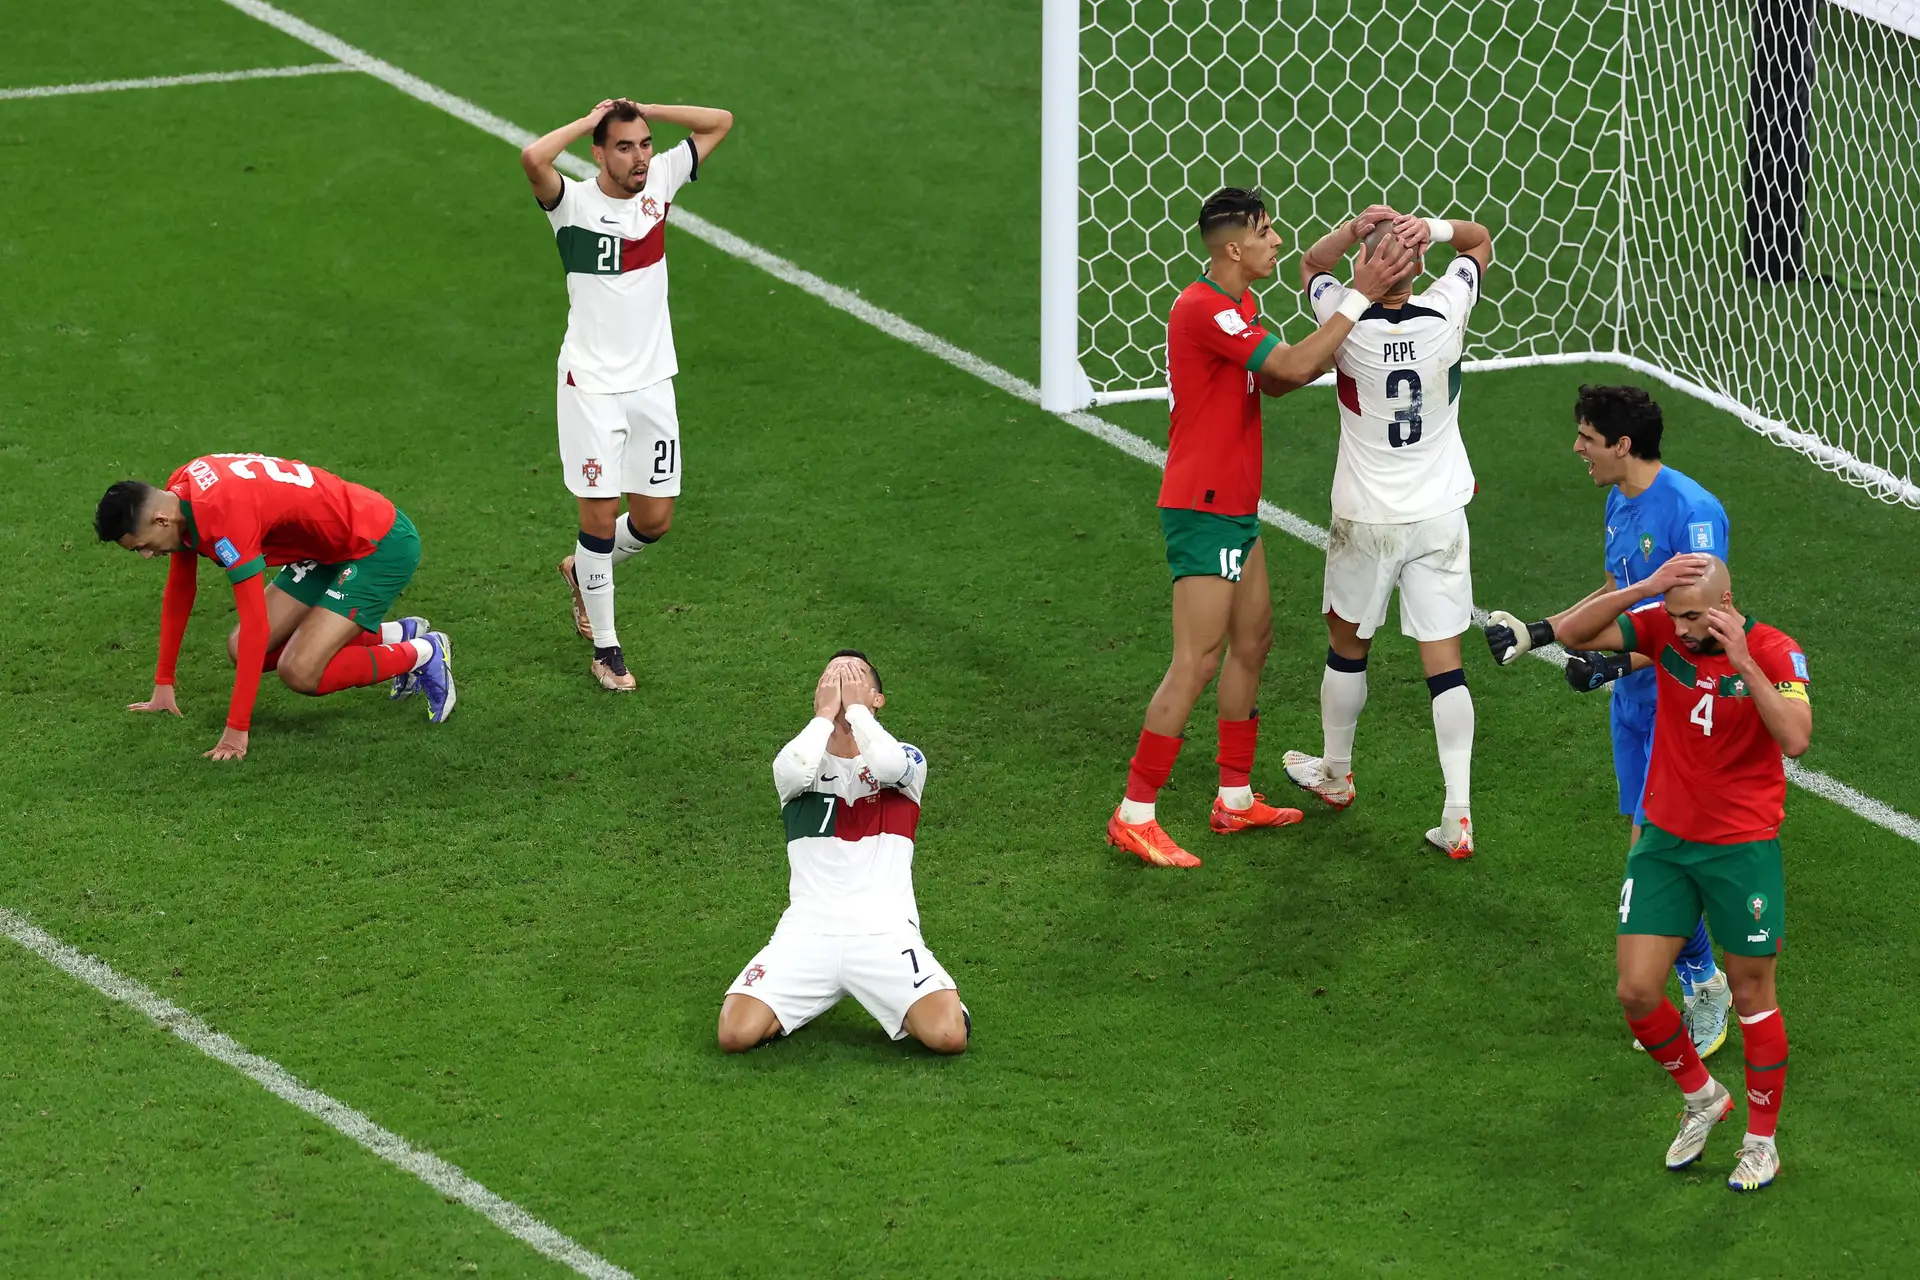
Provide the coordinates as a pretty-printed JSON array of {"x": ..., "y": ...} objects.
[{"x": 1632, "y": 753}]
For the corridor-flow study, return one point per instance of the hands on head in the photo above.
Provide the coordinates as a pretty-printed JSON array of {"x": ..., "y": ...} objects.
[{"x": 847, "y": 682}]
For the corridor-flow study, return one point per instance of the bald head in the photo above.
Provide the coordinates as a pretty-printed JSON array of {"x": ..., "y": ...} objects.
[
  {"x": 1711, "y": 590},
  {"x": 1379, "y": 237}
]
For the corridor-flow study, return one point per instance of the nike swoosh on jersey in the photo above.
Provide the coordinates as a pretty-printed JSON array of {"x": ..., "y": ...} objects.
[
  {"x": 928, "y": 978},
  {"x": 834, "y": 777}
]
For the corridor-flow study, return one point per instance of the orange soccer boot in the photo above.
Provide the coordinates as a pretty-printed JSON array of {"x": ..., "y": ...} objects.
[
  {"x": 1147, "y": 842},
  {"x": 1225, "y": 821}
]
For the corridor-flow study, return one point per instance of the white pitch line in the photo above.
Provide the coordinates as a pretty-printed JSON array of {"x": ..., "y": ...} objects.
[
  {"x": 899, "y": 327},
  {"x": 165, "y": 82},
  {"x": 275, "y": 1079}
]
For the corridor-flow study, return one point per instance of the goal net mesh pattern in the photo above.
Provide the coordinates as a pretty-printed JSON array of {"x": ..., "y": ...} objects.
[{"x": 1605, "y": 142}]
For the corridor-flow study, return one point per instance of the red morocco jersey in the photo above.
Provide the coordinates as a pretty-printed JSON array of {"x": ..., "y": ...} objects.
[
  {"x": 246, "y": 511},
  {"x": 1716, "y": 776},
  {"x": 1214, "y": 343}
]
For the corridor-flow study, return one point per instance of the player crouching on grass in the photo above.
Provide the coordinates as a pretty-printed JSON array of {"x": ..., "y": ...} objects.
[
  {"x": 347, "y": 551},
  {"x": 850, "y": 801},
  {"x": 1220, "y": 359},
  {"x": 1730, "y": 700}
]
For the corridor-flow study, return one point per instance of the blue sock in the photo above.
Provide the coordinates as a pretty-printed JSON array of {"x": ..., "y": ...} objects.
[{"x": 1695, "y": 964}]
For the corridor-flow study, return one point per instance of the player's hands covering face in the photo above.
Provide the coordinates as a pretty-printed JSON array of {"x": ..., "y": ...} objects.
[
  {"x": 1730, "y": 630},
  {"x": 856, "y": 686},
  {"x": 826, "y": 694}
]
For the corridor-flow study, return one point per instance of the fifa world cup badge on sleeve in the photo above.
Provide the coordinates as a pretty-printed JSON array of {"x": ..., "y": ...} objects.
[
  {"x": 1700, "y": 536},
  {"x": 1800, "y": 664},
  {"x": 1231, "y": 322},
  {"x": 225, "y": 552}
]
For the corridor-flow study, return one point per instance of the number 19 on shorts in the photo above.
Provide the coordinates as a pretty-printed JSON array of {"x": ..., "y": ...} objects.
[{"x": 1230, "y": 563}]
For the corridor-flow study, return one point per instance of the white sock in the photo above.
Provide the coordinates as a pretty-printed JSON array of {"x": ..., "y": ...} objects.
[
  {"x": 391, "y": 633},
  {"x": 1701, "y": 1094},
  {"x": 1753, "y": 1139},
  {"x": 422, "y": 652},
  {"x": 594, "y": 572},
  {"x": 1134, "y": 811},
  {"x": 625, "y": 543},
  {"x": 1237, "y": 797},
  {"x": 1343, "y": 695},
  {"x": 1453, "y": 731}
]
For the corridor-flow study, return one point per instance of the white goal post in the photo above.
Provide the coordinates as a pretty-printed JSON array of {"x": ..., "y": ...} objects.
[{"x": 1723, "y": 196}]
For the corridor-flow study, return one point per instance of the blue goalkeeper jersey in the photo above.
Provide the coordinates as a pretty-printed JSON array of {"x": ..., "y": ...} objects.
[{"x": 1674, "y": 516}]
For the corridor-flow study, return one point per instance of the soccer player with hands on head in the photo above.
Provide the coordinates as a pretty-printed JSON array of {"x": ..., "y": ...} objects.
[
  {"x": 1653, "y": 513},
  {"x": 1220, "y": 359},
  {"x": 850, "y": 802},
  {"x": 1730, "y": 703},
  {"x": 618, "y": 421},
  {"x": 347, "y": 553},
  {"x": 1400, "y": 491}
]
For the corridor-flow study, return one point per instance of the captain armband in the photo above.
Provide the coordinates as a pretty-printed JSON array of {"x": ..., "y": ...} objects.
[{"x": 1793, "y": 689}]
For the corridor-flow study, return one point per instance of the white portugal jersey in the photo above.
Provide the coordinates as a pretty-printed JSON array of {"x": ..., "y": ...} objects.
[
  {"x": 619, "y": 335},
  {"x": 1398, "y": 373},
  {"x": 850, "y": 827}
]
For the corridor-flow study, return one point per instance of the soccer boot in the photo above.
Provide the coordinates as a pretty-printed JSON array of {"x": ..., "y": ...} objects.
[
  {"x": 1707, "y": 1014},
  {"x": 580, "y": 623},
  {"x": 1309, "y": 773},
  {"x": 1696, "y": 1122},
  {"x": 1147, "y": 842},
  {"x": 610, "y": 669},
  {"x": 1456, "y": 844},
  {"x": 1225, "y": 821},
  {"x": 1758, "y": 1163},
  {"x": 436, "y": 678},
  {"x": 407, "y": 683}
]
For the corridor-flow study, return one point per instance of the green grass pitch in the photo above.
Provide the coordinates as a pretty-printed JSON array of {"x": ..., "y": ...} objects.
[{"x": 1329, "y": 1052}]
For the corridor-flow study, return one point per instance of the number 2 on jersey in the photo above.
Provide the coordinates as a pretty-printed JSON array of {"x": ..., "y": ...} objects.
[{"x": 1405, "y": 427}]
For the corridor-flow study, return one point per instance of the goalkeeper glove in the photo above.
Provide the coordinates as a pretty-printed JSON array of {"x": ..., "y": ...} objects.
[
  {"x": 1587, "y": 670},
  {"x": 1509, "y": 637}
]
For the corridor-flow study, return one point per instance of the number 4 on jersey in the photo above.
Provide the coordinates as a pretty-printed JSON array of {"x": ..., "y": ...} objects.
[{"x": 1702, "y": 714}]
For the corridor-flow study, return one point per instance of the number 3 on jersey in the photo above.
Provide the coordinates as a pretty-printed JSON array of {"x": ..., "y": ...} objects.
[
  {"x": 1702, "y": 714},
  {"x": 1405, "y": 427}
]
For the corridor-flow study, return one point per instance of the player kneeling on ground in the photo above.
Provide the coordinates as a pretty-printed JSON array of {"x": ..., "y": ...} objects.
[
  {"x": 850, "y": 800},
  {"x": 1730, "y": 700},
  {"x": 348, "y": 553}
]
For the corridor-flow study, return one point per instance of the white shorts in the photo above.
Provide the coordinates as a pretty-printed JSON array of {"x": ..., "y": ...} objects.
[
  {"x": 800, "y": 975},
  {"x": 626, "y": 442},
  {"x": 1427, "y": 560}
]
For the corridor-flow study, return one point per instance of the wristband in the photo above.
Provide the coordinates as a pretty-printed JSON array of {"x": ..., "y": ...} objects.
[
  {"x": 1354, "y": 305},
  {"x": 1539, "y": 634},
  {"x": 1439, "y": 230}
]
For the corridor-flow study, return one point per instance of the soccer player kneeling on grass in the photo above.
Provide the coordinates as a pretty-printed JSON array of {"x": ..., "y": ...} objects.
[
  {"x": 850, "y": 801},
  {"x": 1730, "y": 700},
  {"x": 348, "y": 553},
  {"x": 1220, "y": 359}
]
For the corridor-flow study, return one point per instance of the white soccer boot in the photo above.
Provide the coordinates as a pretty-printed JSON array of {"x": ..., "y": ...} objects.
[
  {"x": 1696, "y": 1123},
  {"x": 1708, "y": 1012},
  {"x": 1457, "y": 843},
  {"x": 1758, "y": 1163},
  {"x": 1309, "y": 773}
]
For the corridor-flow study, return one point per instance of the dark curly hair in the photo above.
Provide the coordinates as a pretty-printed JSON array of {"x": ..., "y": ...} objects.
[
  {"x": 1622, "y": 411},
  {"x": 120, "y": 508},
  {"x": 1235, "y": 207}
]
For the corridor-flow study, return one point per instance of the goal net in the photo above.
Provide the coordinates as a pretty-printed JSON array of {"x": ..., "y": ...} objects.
[{"x": 1721, "y": 196}]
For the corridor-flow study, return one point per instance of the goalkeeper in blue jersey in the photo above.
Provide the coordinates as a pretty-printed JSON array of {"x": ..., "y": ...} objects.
[{"x": 1653, "y": 513}]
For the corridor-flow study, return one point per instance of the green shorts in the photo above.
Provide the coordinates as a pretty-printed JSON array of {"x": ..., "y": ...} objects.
[
  {"x": 360, "y": 590},
  {"x": 1743, "y": 888},
  {"x": 1201, "y": 544}
]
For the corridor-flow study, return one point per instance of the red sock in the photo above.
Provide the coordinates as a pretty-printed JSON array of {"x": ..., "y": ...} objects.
[
  {"x": 358, "y": 665},
  {"x": 1764, "y": 1043},
  {"x": 1237, "y": 739},
  {"x": 1151, "y": 766},
  {"x": 1665, "y": 1038},
  {"x": 366, "y": 640},
  {"x": 272, "y": 661}
]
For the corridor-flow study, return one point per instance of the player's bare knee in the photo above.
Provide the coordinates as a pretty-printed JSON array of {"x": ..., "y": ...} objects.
[
  {"x": 735, "y": 1038},
  {"x": 650, "y": 526},
  {"x": 300, "y": 676},
  {"x": 1639, "y": 998},
  {"x": 949, "y": 1037},
  {"x": 1195, "y": 670},
  {"x": 598, "y": 516}
]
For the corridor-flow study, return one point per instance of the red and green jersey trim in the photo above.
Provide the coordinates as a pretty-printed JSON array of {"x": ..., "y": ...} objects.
[
  {"x": 817, "y": 815},
  {"x": 592, "y": 253},
  {"x": 1259, "y": 356}
]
